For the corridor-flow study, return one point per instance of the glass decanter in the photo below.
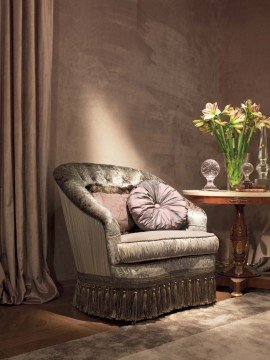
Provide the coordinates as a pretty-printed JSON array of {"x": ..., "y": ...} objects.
[
  {"x": 210, "y": 170},
  {"x": 262, "y": 167}
]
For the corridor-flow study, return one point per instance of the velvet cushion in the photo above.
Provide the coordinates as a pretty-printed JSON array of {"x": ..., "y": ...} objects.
[
  {"x": 157, "y": 206},
  {"x": 117, "y": 205}
]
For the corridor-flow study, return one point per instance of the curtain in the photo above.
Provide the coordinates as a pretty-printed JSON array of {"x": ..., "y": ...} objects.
[{"x": 26, "y": 64}]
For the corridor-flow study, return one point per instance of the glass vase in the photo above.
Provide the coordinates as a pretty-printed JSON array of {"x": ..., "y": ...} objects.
[{"x": 233, "y": 167}]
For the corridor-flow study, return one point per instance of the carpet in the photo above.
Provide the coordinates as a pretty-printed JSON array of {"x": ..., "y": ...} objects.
[{"x": 237, "y": 328}]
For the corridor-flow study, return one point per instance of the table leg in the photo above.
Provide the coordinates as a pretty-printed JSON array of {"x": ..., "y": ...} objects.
[
  {"x": 239, "y": 239},
  {"x": 237, "y": 285}
]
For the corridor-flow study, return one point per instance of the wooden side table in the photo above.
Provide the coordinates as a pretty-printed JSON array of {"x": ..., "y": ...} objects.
[{"x": 238, "y": 276}]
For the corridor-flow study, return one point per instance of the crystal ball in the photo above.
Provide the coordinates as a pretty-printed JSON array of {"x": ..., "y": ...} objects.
[
  {"x": 210, "y": 169},
  {"x": 247, "y": 169}
]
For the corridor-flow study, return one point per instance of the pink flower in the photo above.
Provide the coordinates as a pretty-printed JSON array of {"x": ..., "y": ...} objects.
[
  {"x": 252, "y": 107},
  {"x": 210, "y": 111},
  {"x": 228, "y": 110},
  {"x": 255, "y": 107},
  {"x": 261, "y": 122},
  {"x": 237, "y": 116}
]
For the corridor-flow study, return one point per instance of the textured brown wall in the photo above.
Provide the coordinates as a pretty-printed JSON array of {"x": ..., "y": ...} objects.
[
  {"x": 129, "y": 78},
  {"x": 244, "y": 72}
]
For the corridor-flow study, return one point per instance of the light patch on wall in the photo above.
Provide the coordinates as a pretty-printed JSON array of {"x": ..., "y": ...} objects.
[{"x": 110, "y": 141}]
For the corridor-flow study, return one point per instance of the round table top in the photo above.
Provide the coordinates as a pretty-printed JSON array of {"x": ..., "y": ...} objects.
[{"x": 224, "y": 197}]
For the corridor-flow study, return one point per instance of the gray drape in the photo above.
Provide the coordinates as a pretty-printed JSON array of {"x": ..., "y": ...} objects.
[{"x": 25, "y": 62}]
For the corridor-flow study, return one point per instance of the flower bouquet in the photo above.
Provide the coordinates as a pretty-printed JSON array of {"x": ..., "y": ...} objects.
[{"x": 233, "y": 128}]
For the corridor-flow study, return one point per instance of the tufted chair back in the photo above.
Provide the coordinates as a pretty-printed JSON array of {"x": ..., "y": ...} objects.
[{"x": 69, "y": 176}]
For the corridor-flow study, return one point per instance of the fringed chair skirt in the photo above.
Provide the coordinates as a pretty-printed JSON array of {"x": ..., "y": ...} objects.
[{"x": 138, "y": 299}]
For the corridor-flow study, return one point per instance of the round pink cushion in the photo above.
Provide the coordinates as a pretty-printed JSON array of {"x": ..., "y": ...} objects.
[{"x": 156, "y": 206}]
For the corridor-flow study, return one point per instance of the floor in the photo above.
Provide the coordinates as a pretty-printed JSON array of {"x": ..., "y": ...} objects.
[{"x": 29, "y": 327}]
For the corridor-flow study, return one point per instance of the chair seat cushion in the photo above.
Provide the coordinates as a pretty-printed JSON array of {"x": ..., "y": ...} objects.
[
  {"x": 157, "y": 206},
  {"x": 164, "y": 244}
]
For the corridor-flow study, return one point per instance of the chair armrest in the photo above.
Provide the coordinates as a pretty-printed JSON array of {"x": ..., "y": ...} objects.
[
  {"x": 86, "y": 202},
  {"x": 196, "y": 218},
  {"x": 83, "y": 199},
  {"x": 73, "y": 186}
]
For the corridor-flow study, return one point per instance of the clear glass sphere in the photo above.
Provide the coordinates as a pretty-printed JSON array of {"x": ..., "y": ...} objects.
[
  {"x": 210, "y": 170},
  {"x": 247, "y": 170}
]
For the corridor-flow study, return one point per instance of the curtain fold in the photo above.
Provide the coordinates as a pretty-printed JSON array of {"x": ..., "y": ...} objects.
[{"x": 26, "y": 67}]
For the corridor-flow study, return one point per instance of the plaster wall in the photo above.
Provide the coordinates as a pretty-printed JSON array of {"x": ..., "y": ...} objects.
[
  {"x": 129, "y": 76},
  {"x": 243, "y": 73}
]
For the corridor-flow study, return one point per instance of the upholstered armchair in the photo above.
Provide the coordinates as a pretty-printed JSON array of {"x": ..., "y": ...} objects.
[{"x": 138, "y": 275}]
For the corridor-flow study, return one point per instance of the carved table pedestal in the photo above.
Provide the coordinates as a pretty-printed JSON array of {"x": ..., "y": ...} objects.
[{"x": 238, "y": 276}]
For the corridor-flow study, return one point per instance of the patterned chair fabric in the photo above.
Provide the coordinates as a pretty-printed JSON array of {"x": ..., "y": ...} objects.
[{"x": 138, "y": 275}]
